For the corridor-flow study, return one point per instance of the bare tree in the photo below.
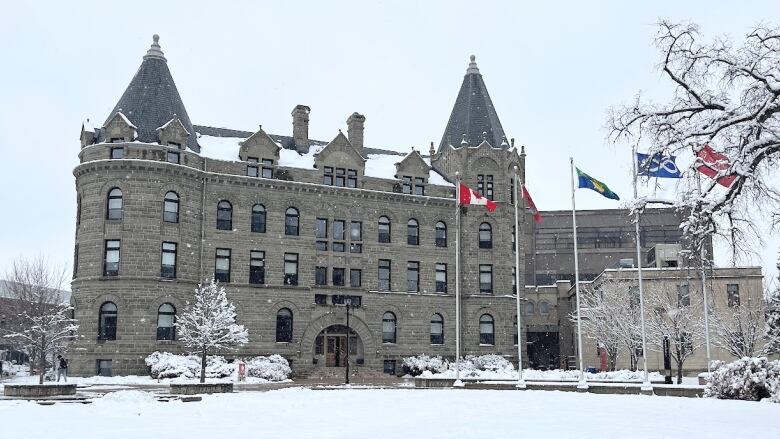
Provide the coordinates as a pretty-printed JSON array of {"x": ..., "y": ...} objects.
[
  {"x": 727, "y": 97},
  {"x": 739, "y": 330},
  {"x": 773, "y": 317},
  {"x": 44, "y": 323},
  {"x": 673, "y": 316},
  {"x": 210, "y": 323}
]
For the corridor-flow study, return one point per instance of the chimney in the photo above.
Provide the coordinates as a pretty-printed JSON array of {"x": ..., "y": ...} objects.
[
  {"x": 300, "y": 116},
  {"x": 355, "y": 130}
]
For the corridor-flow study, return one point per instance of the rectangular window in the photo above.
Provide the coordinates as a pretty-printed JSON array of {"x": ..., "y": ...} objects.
[
  {"x": 383, "y": 231},
  {"x": 338, "y": 277},
  {"x": 406, "y": 184},
  {"x": 683, "y": 296},
  {"x": 486, "y": 279},
  {"x": 168, "y": 267},
  {"x": 489, "y": 187},
  {"x": 320, "y": 299},
  {"x": 512, "y": 192},
  {"x": 389, "y": 367},
  {"x": 268, "y": 168},
  {"x": 104, "y": 368},
  {"x": 355, "y": 236},
  {"x": 383, "y": 276},
  {"x": 351, "y": 178},
  {"x": 256, "y": 267},
  {"x": 514, "y": 281},
  {"x": 118, "y": 152},
  {"x": 419, "y": 186},
  {"x": 251, "y": 168},
  {"x": 733, "y": 295},
  {"x": 320, "y": 276},
  {"x": 327, "y": 177},
  {"x": 339, "y": 235},
  {"x": 111, "y": 262},
  {"x": 291, "y": 268},
  {"x": 341, "y": 177},
  {"x": 413, "y": 276},
  {"x": 355, "y": 278},
  {"x": 173, "y": 157},
  {"x": 222, "y": 265},
  {"x": 441, "y": 278},
  {"x": 75, "y": 260},
  {"x": 321, "y": 233}
]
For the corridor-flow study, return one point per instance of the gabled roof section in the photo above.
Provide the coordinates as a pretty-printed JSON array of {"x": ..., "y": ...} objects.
[
  {"x": 473, "y": 113},
  {"x": 413, "y": 163},
  {"x": 340, "y": 143},
  {"x": 152, "y": 99}
]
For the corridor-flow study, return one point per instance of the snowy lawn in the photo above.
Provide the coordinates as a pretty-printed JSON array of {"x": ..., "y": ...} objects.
[
  {"x": 352, "y": 413},
  {"x": 134, "y": 380}
]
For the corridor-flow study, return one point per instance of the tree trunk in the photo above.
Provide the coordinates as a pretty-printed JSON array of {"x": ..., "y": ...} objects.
[
  {"x": 41, "y": 368},
  {"x": 679, "y": 372},
  {"x": 203, "y": 367}
]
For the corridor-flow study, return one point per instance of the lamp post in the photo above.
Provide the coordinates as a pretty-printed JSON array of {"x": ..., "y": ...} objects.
[{"x": 347, "y": 302}]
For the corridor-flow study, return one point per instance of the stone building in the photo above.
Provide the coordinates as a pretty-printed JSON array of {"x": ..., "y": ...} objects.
[{"x": 295, "y": 227}]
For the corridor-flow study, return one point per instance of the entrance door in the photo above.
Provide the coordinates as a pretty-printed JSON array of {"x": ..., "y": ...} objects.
[{"x": 335, "y": 350}]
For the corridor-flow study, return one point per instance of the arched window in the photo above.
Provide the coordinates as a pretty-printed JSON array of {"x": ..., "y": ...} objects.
[
  {"x": 485, "y": 236},
  {"x": 529, "y": 308},
  {"x": 284, "y": 325},
  {"x": 437, "y": 329},
  {"x": 107, "y": 321},
  {"x": 544, "y": 308},
  {"x": 224, "y": 215},
  {"x": 486, "y": 330},
  {"x": 384, "y": 229},
  {"x": 291, "y": 221},
  {"x": 114, "y": 204},
  {"x": 441, "y": 234},
  {"x": 258, "y": 218},
  {"x": 171, "y": 207},
  {"x": 388, "y": 328},
  {"x": 412, "y": 232},
  {"x": 166, "y": 317}
]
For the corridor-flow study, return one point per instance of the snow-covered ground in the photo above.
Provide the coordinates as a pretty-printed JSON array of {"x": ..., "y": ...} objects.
[
  {"x": 130, "y": 380},
  {"x": 547, "y": 375},
  {"x": 353, "y": 413}
]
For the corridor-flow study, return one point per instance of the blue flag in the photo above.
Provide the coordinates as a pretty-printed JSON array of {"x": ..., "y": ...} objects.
[{"x": 657, "y": 165}]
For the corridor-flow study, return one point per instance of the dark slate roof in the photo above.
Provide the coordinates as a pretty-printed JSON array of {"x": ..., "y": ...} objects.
[
  {"x": 152, "y": 99},
  {"x": 473, "y": 113}
]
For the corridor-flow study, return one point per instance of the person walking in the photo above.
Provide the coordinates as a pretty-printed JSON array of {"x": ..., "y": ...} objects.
[{"x": 62, "y": 368}]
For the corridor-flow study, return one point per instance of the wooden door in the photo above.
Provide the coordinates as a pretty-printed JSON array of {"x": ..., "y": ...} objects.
[{"x": 331, "y": 351}]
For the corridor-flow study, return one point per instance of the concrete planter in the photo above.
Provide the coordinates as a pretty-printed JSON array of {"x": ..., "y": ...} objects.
[
  {"x": 39, "y": 391},
  {"x": 198, "y": 388}
]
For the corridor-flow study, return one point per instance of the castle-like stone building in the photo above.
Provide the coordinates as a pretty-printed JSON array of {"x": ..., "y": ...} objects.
[{"x": 295, "y": 227}]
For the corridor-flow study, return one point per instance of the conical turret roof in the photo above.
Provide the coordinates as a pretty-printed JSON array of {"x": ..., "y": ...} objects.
[
  {"x": 473, "y": 114},
  {"x": 151, "y": 99}
]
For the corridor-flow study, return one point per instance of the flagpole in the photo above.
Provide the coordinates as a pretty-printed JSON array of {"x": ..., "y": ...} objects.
[
  {"x": 582, "y": 384},
  {"x": 458, "y": 382},
  {"x": 702, "y": 255},
  {"x": 518, "y": 191},
  {"x": 646, "y": 386}
]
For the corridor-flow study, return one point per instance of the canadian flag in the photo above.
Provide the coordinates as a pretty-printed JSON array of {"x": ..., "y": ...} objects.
[
  {"x": 470, "y": 196},
  {"x": 714, "y": 162},
  {"x": 532, "y": 205}
]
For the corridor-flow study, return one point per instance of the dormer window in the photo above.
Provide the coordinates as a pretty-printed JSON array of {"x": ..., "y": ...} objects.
[
  {"x": 172, "y": 157},
  {"x": 252, "y": 168},
  {"x": 117, "y": 152},
  {"x": 176, "y": 144},
  {"x": 406, "y": 185},
  {"x": 340, "y": 177},
  {"x": 419, "y": 186},
  {"x": 268, "y": 168},
  {"x": 412, "y": 185}
]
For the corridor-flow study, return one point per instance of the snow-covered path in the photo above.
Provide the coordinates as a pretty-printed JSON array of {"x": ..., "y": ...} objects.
[{"x": 359, "y": 413}]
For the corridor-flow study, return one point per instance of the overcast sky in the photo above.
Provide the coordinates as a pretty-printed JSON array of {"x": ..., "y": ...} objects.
[{"x": 552, "y": 69}]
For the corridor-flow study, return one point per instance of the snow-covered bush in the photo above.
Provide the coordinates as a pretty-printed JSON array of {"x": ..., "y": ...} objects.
[
  {"x": 167, "y": 365},
  {"x": 418, "y": 364},
  {"x": 749, "y": 378},
  {"x": 490, "y": 362},
  {"x": 272, "y": 368}
]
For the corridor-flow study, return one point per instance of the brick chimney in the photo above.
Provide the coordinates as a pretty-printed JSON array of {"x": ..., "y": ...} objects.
[
  {"x": 300, "y": 116},
  {"x": 355, "y": 131}
]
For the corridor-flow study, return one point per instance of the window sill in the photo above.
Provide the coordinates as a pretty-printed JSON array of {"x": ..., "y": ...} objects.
[
  {"x": 437, "y": 344},
  {"x": 384, "y": 343},
  {"x": 283, "y": 342},
  {"x": 167, "y": 342},
  {"x": 486, "y": 345}
]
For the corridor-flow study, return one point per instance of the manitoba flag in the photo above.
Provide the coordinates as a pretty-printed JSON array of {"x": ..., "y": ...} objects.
[
  {"x": 532, "y": 205},
  {"x": 713, "y": 163},
  {"x": 469, "y": 196}
]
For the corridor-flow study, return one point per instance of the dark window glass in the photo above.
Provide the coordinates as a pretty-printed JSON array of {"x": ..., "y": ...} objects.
[
  {"x": 252, "y": 168},
  {"x": 222, "y": 265},
  {"x": 338, "y": 230},
  {"x": 412, "y": 232},
  {"x": 268, "y": 168},
  {"x": 111, "y": 262},
  {"x": 544, "y": 308},
  {"x": 339, "y": 246},
  {"x": 419, "y": 186},
  {"x": 171, "y": 207},
  {"x": 321, "y": 228},
  {"x": 489, "y": 187},
  {"x": 322, "y": 246},
  {"x": 114, "y": 204},
  {"x": 486, "y": 279},
  {"x": 351, "y": 178},
  {"x": 107, "y": 321},
  {"x": 320, "y": 299},
  {"x": 384, "y": 229},
  {"x": 441, "y": 234},
  {"x": 383, "y": 276},
  {"x": 388, "y": 328},
  {"x": 284, "y": 325},
  {"x": 441, "y": 278},
  {"x": 338, "y": 277},
  {"x": 291, "y": 221},
  {"x": 437, "y": 329},
  {"x": 319, "y": 345},
  {"x": 486, "y": 330},
  {"x": 327, "y": 177},
  {"x": 291, "y": 268},
  {"x": 733, "y": 295},
  {"x": 224, "y": 215},
  {"x": 413, "y": 276},
  {"x": 172, "y": 157},
  {"x": 256, "y": 267},
  {"x": 340, "y": 180},
  {"x": 356, "y": 231},
  {"x": 406, "y": 184},
  {"x": 355, "y": 278},
  {"x": 485, "y": 236},
  {"x": 104, "y": 368},
  {"x": 258, "y": 218},
  {"x": 118, "y": 152},
  {"x": 389, "y": 367},
  {"x": 320, "y": 276},
  {"x": 168, "y": 264},
  {"x": 514, "y": 334},
  {"x": 166, "y": 319}
]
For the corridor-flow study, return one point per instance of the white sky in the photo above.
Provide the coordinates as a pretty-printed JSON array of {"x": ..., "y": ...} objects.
[{"x": 552, "y": 69}]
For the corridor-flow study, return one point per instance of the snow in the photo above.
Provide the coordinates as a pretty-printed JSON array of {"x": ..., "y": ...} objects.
[
  {"x": 382, "y": 165},
  {"x": 393, "y": 413},
  {"x": 291, "y": 159},
  {"x": 219, "y": 148}
]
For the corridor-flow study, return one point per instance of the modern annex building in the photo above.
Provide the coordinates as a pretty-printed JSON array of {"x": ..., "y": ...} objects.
[{"x": 293, "y": 227}]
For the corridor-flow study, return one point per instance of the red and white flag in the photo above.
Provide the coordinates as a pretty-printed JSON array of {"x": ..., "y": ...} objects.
[
  {"x": 532, "y": 205},
  {"x": 713, "y": 163},
  {"x": 469, "y": 196}
]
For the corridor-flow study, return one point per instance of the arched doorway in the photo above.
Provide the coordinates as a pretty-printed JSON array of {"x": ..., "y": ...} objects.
[{"x": 330, "y": 347}]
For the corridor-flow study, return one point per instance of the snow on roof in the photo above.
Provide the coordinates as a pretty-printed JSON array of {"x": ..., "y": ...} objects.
[
  {"x": 219, "y": 148},
  {"x": 89, "y": 126},
  {"x": 382, "y": 165},
  {"x": 127, "y": 121},
  {"x": 292, "y": 159},
  {"x": 165, "y": 125}
]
